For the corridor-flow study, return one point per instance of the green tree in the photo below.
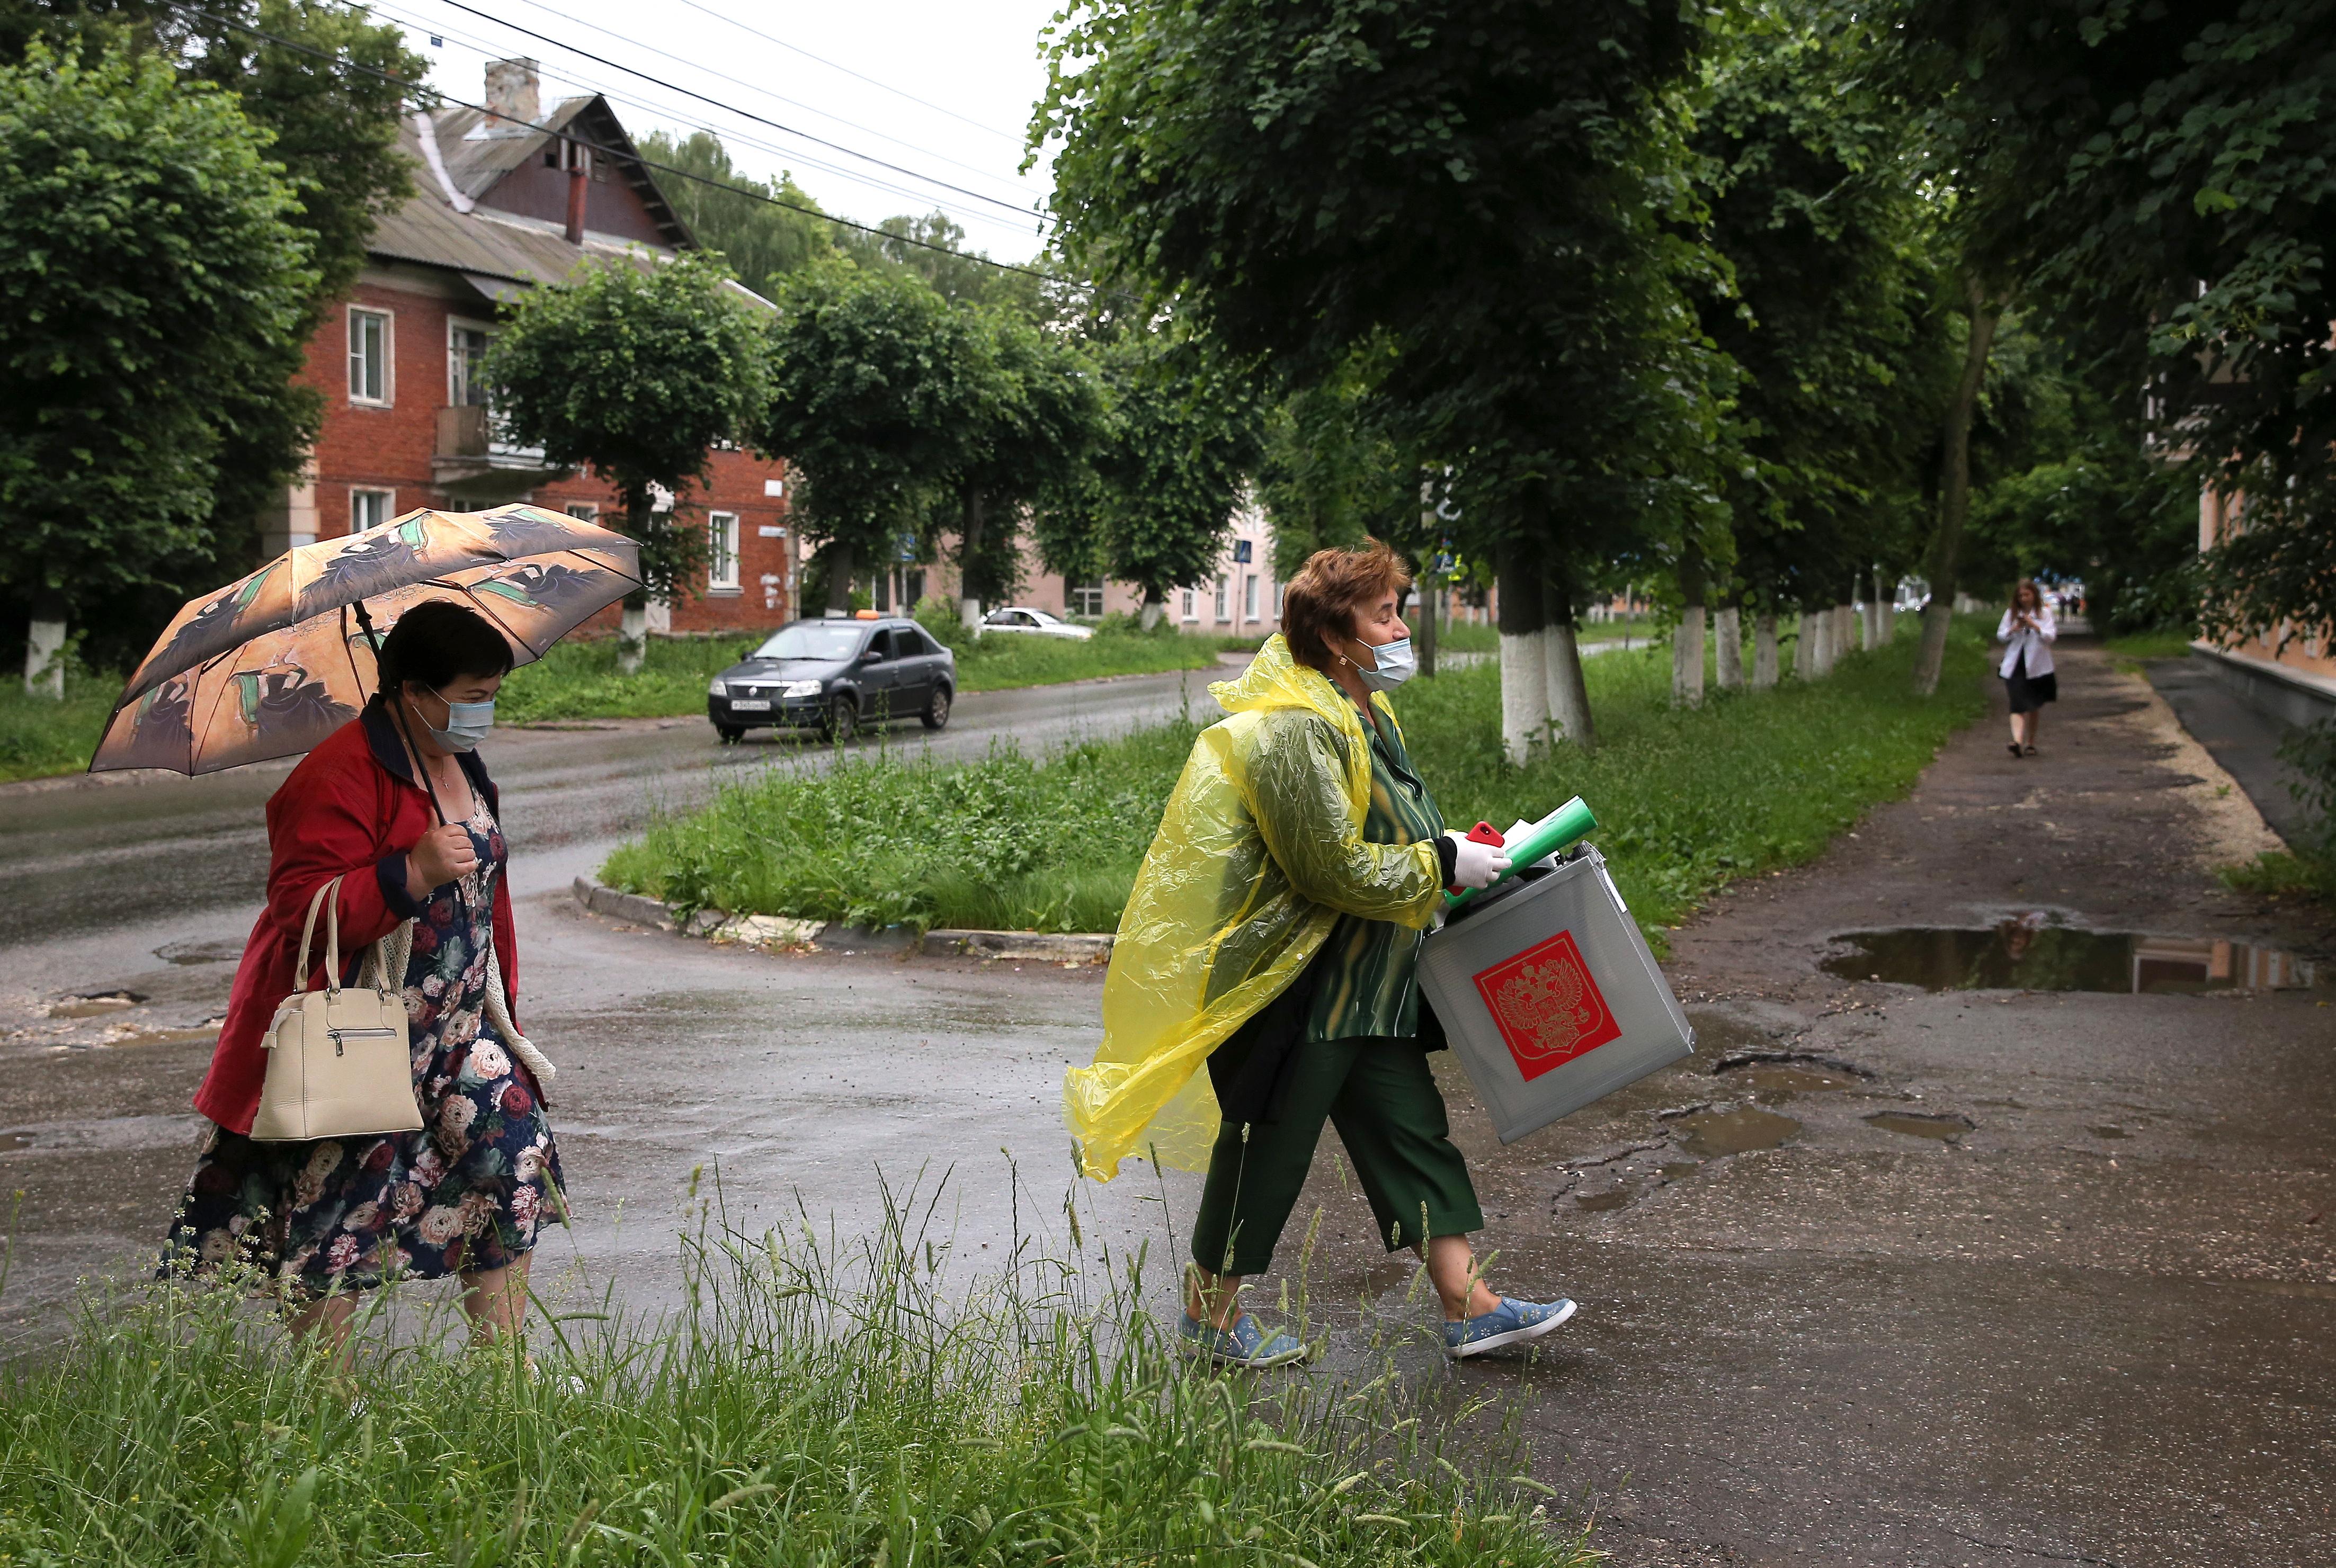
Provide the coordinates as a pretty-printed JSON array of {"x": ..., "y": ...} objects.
[
  {"x": 1034, "y": 417},
  {"x": 1491, "y": 190},
  {"x": 932, "y": 248},
  {"x": 152, "y": 286},
  {"x": 635, "y": 371},
  {"x": 762, "y": 242},
  {"x": 873, "y": 380},
  {"x": 1156, "y": 505}
]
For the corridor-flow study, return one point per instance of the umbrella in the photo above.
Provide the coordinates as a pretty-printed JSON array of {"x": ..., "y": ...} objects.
[{"x": 270, "y": 665}]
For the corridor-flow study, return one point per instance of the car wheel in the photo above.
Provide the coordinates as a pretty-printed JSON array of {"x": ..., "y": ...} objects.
[
  {"x": 842, "y": 720},
  {"x": 937, "y": 709},
  {"x": 731, "y": 733}
]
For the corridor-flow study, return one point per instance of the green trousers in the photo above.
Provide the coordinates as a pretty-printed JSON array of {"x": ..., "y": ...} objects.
[{"x": 1383, "y": 1101}]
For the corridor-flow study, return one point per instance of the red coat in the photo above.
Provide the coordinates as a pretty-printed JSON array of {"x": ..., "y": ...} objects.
[{"x": 351, "y": 808}]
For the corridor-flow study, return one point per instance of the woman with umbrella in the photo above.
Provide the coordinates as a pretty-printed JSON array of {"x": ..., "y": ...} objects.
[{"x": 466, "y": 1194}]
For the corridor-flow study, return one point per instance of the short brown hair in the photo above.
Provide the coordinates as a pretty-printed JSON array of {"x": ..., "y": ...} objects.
[{"x": 1324, "y": 596}]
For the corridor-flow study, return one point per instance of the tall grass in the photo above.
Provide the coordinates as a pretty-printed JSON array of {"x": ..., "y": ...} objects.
[
  {"x": 44, "y": 735},
  {"x": 800, "y": 1409},
  {"x": 1686, "y": 799}
]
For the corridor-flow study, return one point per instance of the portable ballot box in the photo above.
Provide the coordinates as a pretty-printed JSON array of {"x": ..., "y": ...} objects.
[{"x": 1550, "y": 995}]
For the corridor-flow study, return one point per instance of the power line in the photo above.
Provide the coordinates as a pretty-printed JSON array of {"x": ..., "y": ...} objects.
[
  {"x": 419, "y": 89},
  {"x": 748, "y": 114},
  {"x": 847, "y": 70},
  {"x": 758, "y": 88}
]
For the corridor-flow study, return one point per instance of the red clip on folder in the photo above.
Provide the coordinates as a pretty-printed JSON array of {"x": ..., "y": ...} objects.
[{"x": 1483, "y": 832}]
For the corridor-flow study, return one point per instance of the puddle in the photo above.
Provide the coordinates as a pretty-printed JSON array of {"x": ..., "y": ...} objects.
[
  {"x": 1777, "y": 1076},
  {"x": 2108, "y": 1132},
  {"x": 131, "y": 1034},
  {"x": 1916, "y": 1124},
  {"x": 1710, "y": 1134},
  {"x": 93, "y": 1004},
  {"x": 1601, "y": 1203},
  {"x": 225, "y": 951},
  {"x": 1678, "y": 1170},
  {"x": 9, "y": 1140},
  {"x": 2028, "y": 954}
]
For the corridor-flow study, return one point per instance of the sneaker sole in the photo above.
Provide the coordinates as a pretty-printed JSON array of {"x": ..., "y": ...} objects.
[
  {"x": 1514, "y": 1336},
  {"x": 1257, "y": 1363}
]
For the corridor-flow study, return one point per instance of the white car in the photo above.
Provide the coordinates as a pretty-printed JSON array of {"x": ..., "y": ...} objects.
[{"x": 1039, "y": 623}]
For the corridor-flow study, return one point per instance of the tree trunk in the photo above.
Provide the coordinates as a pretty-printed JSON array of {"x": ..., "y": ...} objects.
[
  {"x": 1805, "y": 644},
  {"x": 1687, "y": 646},
  {"x": 1429, "y": 593},
  {"x": 1764, "y": 651},
  {"x": 44, "y": 647},
  {"x": 1954, "y": 486},
  {"x": 1847, "y": 612},
  {"x": 839, "y": 575},
  {"x": 1727, "y": 632},
  {"x": 1872, "y": 616},
  {"x": 1524, "y": 664},
  {"x": 1564, "y": 689},
  {"x": 969, "y": 555},
  {"x": 1156, "y": 604},
  {"x": 1887, "y": 604}
]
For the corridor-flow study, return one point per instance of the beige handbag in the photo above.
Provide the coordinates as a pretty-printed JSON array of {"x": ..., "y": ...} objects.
[{"x": 338, "y": 1064}]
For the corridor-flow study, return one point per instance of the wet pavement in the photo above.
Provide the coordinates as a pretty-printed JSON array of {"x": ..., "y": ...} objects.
[
  {"x": 1893, "y": 1275},
  {"x": 1886, "y": 1274}
]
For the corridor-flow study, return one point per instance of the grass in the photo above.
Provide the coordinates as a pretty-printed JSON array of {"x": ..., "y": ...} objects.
[
  {"x": 578, "y": 679},
  {"x": 41, "y": 735},
  {"x": 795, "y": 1412},
  {"x": 1686, "y": 799},
  {"x": 2132, "y": 648},
  {"x": 1002, "y": 662}
]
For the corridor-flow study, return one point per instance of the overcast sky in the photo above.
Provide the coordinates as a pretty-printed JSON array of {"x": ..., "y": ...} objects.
[{"x": 942, "y": 91}]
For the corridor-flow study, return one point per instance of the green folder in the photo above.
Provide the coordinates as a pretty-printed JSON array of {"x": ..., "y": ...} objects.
[{"x": 1565, "y": 827}]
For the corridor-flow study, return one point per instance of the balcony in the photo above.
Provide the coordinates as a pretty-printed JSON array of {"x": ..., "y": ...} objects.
[{"x": 477, "y": 468}]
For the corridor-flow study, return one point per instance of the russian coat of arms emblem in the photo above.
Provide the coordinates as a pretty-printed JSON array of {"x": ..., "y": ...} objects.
[{"x": 1546, "y": 1006}]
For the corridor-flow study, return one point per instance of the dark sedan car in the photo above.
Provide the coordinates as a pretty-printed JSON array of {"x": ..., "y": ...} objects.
[{"x": 836, "y": 674}]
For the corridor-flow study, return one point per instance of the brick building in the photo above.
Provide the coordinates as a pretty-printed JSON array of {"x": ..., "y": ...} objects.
[{"x": 501, "y": 207}]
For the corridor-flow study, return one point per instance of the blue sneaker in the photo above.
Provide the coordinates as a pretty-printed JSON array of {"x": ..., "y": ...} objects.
[
  {"x": 1512, "y": 1322},
  {"x": 1245, "y": 1344}
]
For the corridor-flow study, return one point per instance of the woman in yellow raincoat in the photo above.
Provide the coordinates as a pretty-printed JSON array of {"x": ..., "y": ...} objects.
[{"x": 1272, "y": 936}]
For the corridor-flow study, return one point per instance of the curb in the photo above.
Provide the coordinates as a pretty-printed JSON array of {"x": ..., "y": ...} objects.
[{"x": 776, "y": 931}]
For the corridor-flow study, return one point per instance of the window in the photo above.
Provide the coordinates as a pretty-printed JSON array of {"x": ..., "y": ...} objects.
[
  {"x": 1221, "y": 599},
  {"x": 1086, "y": 598},
  {"x": 466, "y": 358},
  {"x": 1280, "y": 592},
  {"x": 722, "y": 553},
  {"x": 1190, "y": 598},
  {"x": 880, "y": 646},
  {"x": 1249, "y": 597},
  {"x": 370, "y": 508},
  {"x": 369, "y": 347},
  {"x": 583, "y": 511}
]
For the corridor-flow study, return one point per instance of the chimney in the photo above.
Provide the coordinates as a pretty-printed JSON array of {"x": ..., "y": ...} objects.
[{"x": 513, "y": 97}]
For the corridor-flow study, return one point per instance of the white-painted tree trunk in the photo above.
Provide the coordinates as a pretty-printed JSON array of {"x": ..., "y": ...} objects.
[
  {"x": 45, "y": 659},
  {"x": 1728, "y": 634},
  {"x": 968, "y": 614},
  {"x": 1565, "y": 691},
  {"x": 1764, "y": 651},
  {"x": 1845, "y": 638},
  {"x": 1807, "y": 646},
  {"x": 1687, "y": 659},
  {"x": 1153, "y": 610},
  {"x": 1871, "y": 627},
  {"x": 632, "y": 640},
  {"x": 1524, "y": 694}
]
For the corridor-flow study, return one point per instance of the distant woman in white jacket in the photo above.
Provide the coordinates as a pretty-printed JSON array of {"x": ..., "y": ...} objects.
[{"x": 2028, "y": 629}]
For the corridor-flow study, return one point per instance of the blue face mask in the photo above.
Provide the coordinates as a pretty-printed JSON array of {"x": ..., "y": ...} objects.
[
  {"x": 467, "y": 724},
  {"x": 1394, "y": 663}
]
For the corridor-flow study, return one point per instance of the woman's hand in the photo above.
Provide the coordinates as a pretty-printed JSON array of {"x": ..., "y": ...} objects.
[
  {"x": 438, "y": 857},
  {"x": 1475, "y": 864}
]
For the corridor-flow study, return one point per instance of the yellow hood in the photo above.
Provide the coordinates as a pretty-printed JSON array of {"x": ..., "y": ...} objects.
[{"x": 1219, "y": 925}]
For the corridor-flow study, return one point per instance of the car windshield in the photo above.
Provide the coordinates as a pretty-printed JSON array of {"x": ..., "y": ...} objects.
[
  {"x": 813, "y": 640},
  {"x": 1042, "y": 618}
]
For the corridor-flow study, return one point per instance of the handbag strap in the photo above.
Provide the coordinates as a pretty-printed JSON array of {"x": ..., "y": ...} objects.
[{"x": 329, "y": 899}]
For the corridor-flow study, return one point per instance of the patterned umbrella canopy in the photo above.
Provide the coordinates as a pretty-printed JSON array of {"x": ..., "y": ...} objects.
[{"x": 270, "y": 665}]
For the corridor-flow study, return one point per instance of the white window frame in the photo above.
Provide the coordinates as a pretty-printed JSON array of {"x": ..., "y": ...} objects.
[
  {"x": 388, "y": 319},
  {"x": 1224, "y": 600},
  {"x": 1249, "y": 597},
  {"x": 1280, "y": 592},
  {"x": 455, "y": 324},
  {"x": 583, "y": 511},
  {"x": 358, "y": 493},
  {"x": 722, "y": 544},
  {"x": 1192, "y": 604}
]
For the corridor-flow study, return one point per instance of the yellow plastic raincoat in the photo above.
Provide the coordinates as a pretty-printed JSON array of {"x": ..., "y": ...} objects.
[{"x": 1259, "y": 851}]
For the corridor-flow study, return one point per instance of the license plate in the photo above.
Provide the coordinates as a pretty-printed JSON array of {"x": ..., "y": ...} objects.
[{"x": 750, "y": 705}]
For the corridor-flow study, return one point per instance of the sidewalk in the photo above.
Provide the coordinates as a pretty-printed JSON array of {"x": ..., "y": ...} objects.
[
  {"x": 2069, "y": 1298},
  {"x": 2242, "y": 741}
]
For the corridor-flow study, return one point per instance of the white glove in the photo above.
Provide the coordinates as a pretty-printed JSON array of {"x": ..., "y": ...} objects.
[{"x": 1475, "y": 864}]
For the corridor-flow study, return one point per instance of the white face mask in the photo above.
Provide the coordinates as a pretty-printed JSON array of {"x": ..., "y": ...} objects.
[
  {"x": 1395, "y": 666},
  {"x": 467, "y": 724}
]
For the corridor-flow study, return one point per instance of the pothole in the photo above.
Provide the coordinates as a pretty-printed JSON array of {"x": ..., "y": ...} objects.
[
  {"x": 93, "y": 1004},
  {"x": 225, "y": 950},
  {"x": 1946, "y": 1128},
  {"x": 1605, "y": 1202},
  {"x": 1775, "y": 1075},
  {"x": 2029, "y": 952},
  {"x": 1710, "y": 1134},
  {"x": 2108, "y": 1132}
]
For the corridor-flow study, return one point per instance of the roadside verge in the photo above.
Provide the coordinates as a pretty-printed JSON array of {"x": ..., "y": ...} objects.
[{"x": 776, "y": 933}]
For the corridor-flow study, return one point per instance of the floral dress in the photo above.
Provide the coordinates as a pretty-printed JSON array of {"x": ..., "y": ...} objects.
[{"x": 464, "y": 1193}]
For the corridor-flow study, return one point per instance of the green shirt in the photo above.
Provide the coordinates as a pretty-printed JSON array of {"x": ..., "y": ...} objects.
[{"x": 1365, "y": 984}]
